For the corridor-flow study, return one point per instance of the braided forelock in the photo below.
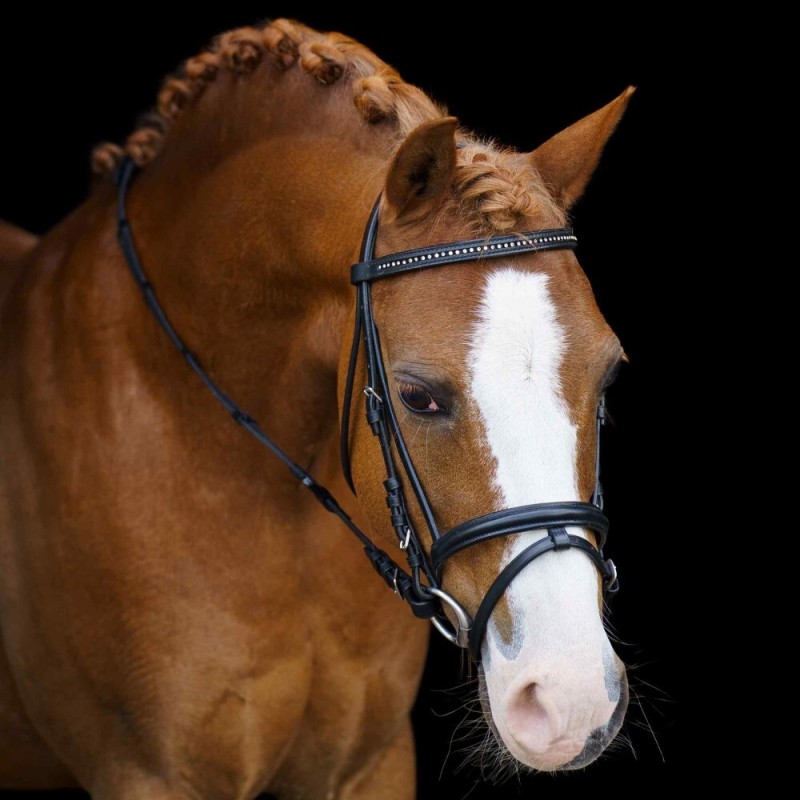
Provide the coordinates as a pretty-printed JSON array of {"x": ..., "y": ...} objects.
[{"x": 499, "y": 189}]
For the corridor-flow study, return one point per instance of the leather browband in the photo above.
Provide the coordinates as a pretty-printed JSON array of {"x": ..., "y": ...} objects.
[{"x": 457, "y": 252}]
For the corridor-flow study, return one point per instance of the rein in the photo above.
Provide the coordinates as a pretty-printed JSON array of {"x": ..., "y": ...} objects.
[{"x": 425, "y": 599}]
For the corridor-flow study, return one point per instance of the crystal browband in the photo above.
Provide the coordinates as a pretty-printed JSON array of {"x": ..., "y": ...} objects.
[{"x": 456, "y": 252}]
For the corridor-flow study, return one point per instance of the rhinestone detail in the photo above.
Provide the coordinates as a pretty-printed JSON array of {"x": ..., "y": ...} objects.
[{"x": 525, "y": 242}]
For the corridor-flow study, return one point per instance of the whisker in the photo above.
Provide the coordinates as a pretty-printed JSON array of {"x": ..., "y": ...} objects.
[
  {"x": 427, "y": 450},
  {"x": 664, "y": 696},
  {"x": 647, "y": 725},
  {"x": 416, "y": 432}
]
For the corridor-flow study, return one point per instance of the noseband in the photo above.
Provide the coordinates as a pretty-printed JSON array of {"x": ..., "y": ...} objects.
[{"x": 426, "y": 598}]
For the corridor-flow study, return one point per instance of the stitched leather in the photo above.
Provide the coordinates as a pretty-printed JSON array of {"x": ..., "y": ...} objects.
[
  {"x": 468, "y": 250},
  {"x": 518, "y": 520},
  {"x": 557, "y": 539}
]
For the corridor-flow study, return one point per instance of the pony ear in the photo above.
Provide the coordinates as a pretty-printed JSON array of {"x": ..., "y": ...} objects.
[
  {"x": 423, "y": 167},
  {"x": 567, "y": 160}
]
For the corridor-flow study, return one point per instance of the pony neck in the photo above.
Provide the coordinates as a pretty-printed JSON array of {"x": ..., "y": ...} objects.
[{"x": 249, "y": 253}]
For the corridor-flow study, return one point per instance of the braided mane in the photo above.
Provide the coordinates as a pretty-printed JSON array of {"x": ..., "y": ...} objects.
[{"x": 492, "y": 184}]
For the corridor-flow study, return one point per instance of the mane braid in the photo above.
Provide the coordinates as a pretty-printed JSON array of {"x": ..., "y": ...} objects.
[{"x": 493, "y": 188}]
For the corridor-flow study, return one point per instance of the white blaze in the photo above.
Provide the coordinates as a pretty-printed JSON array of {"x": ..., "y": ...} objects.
[{"x": 517, "y": 350}]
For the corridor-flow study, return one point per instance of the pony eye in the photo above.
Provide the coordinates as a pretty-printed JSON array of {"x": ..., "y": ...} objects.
[{"x": 417, "y": 399}]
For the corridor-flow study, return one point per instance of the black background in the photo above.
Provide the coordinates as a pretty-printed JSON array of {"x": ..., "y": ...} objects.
[{"x": 71, "y": 79}]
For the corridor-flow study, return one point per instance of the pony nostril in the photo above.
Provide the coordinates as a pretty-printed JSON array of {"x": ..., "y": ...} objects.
[
  {"x": 531, "y": 719},
  {"x": 538, "y": 726},
  {"x": 537, "y": 712}
]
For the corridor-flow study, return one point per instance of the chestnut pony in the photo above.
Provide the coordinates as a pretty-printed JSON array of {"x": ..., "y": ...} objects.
[{"x": 180, "y": 618}]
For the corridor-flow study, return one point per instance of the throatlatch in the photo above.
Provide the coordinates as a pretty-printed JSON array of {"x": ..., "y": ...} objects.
[{"x": 425, "y": 597}]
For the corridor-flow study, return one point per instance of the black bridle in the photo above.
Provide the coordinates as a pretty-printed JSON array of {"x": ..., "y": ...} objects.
[{"x": 424, "y": 597}]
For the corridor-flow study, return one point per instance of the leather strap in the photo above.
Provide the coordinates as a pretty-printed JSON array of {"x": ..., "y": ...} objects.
[
  {"x": 367, "y": 249},
  {"x": 404, "y": 584},
  {"x": 557, "y": 539},
  {"x": 518, "y": 520},
  {"x": 470, "y": 250}
]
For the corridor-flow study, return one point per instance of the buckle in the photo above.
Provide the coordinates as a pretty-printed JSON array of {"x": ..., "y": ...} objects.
[
  {"x": 611, "y": 578},
  {"x": 460, "y": 634}
]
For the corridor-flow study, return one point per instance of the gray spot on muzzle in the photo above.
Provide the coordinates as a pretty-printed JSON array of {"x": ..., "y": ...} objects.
[
  {"x": 509, "y": 651},
  {"x": 600, "y": 738},
  {"x": 610, "y": 674}
]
